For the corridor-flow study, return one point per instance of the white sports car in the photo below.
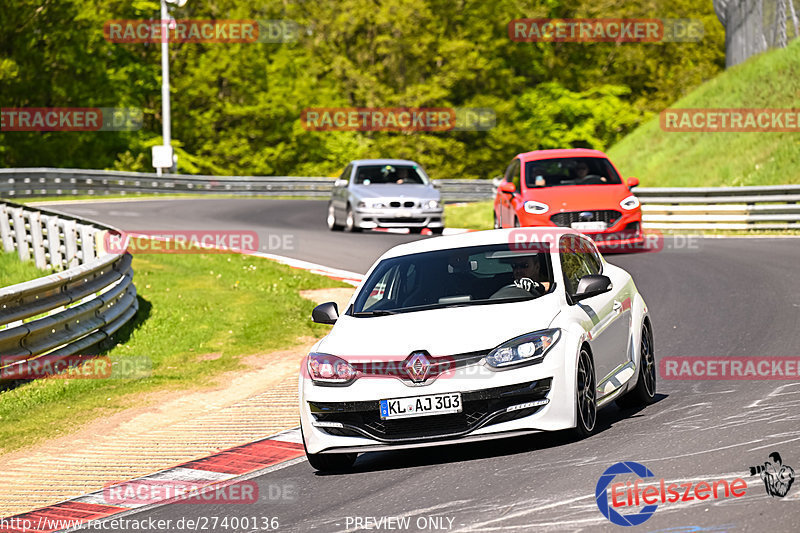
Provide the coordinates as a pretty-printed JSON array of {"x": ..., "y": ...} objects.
[{"x": 475, "y": 336}]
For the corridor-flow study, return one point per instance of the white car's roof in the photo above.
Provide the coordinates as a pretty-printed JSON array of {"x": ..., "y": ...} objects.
[
  {"x": 359, "y": 162},
  {"x": 478, "y": 238}
]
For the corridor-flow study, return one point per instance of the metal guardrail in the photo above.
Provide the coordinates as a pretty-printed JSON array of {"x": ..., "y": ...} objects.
[
  {"x": 33, "y": 182},
  {"x": 691, "y": 208},
  {"x": 90, "y": 296},
  {"x": 721, "y": 208}
]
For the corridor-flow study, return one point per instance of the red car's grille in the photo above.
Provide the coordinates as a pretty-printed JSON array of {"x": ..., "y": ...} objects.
[{"x": 609, "y": 216}]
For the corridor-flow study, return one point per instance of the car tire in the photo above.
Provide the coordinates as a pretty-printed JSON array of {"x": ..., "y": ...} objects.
[
  {"x": 496, "y": 222},
  {"x": 416, "y": 231},
  {"x": 437, "y": 231},
  {"x": 516, "y": 223},
  {"x": 350, "y": 222},
  {"x": 644, "y": 393},
  {"x": 585, "y": 396},
  {"x": 332, "y": 225}
]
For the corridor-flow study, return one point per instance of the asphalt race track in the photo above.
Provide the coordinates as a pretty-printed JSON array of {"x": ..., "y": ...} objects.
[{"x": 707, "y": 297}]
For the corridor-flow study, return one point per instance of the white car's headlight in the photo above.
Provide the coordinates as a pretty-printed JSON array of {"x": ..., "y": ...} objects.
[
  {"x": 631, "y": 202},
  {"x": 536, "y": 208},
  {"x": 528, "y": 348},
  {"x": 433, "y": 204},
  {"x": 329, "y": 369}
]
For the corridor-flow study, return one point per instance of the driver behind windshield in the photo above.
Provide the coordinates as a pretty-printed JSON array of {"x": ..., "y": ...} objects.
[
  {"x": 527, "y": 272},
  {"x": 581, "y": 171}
]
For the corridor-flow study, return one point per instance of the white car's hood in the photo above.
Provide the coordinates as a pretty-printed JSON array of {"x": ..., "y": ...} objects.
[{"x": 447, "y": 331}]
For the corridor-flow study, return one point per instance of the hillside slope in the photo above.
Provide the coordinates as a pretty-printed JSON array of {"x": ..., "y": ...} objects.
[{"x": 679, "y": 159}]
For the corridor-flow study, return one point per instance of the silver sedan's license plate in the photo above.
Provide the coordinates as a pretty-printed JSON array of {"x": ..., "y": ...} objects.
[{"x": 433, "y": 404}]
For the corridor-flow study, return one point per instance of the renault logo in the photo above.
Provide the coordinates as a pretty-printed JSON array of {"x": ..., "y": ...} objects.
[{"x": 417, "y": 366}]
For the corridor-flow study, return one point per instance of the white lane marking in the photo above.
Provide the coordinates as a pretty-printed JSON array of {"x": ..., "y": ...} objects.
[
  {"x": 123, "y": 214},
  {"x": 306, "y": 265}
]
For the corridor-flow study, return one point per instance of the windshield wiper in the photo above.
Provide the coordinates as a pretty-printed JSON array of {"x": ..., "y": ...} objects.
[{"x": 380, "y": 312}]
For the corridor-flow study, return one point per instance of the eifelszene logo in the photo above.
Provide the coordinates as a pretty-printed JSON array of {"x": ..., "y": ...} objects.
[
  {"x": 777, "y": 477},
  {"x": 651, "y": 494}
]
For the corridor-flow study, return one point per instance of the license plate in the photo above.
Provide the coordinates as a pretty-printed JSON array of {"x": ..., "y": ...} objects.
[
  {"x": 433, "y": 404},
  {"x": 403, "y": 213},
  {"x": 589, "y": 226}
]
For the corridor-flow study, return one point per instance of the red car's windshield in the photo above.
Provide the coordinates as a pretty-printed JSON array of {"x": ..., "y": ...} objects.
[{"x": 570, "y": 171}]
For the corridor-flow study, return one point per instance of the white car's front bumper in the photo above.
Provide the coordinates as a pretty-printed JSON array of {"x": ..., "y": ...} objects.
[{"x": 486, "y": 397}]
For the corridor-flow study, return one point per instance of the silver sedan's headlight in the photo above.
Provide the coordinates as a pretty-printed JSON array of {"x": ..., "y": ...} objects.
[
  {"x": 432, "y": 204},
  {"x": 371, "y": 204},
  {"x": 528, "y": 348}
]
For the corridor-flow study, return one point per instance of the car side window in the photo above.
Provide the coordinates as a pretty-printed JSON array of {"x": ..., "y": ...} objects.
[
  {"x": 574, "y": 262},
  {"x": 346, "y": 174},
  {"x": 515, "y": 176},
  {"x": 590, "y": 256},
  {"x": 508, "y": 176}
]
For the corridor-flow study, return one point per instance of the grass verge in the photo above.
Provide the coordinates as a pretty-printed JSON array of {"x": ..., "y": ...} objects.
[
  {"x": 473, "y": 215},
  {"x": 198, "y": 314},
  {"x": 13, "y": 271}
]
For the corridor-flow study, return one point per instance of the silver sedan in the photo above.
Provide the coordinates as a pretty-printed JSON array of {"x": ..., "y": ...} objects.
[{"x": 385, "y": 193}]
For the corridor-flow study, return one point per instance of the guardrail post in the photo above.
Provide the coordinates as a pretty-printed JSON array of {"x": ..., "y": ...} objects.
[
  {"x": 71, "y": 243},
  {"x": 87, "y": 243},
  {"x": 37, "y": 240},
  {"x": 5, "y": 229},
  {"x": 20, "y": 234},
  {"x": 53, "y": 240}
]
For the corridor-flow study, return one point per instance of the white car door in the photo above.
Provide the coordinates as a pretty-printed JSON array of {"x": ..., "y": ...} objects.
[{"x": 609, "y": 313}]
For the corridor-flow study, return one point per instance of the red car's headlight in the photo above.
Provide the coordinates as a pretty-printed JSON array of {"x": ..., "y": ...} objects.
[
  {"x": 326, "y": 368},
  {"x": 631, "y": 202}
]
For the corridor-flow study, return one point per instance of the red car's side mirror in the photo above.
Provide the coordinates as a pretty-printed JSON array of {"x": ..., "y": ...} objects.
[
  {"x": 507, "y": 187},
  {"x": 633, "y": 182}
]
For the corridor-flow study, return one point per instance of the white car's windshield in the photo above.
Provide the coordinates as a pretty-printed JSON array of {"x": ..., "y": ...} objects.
[
  {"x": 570, "y": 171},
  {"x": 394, "y": 174},
  {"x": 455, "y": 277}
]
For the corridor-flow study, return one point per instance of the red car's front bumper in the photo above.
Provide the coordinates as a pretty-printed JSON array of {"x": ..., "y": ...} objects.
[{"x": 624, "y": 235}]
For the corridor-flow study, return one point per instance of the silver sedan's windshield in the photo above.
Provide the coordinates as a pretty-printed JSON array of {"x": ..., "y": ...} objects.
[
  {"x": 455, "y": 277},
  {"x": 395, "y": 174}
]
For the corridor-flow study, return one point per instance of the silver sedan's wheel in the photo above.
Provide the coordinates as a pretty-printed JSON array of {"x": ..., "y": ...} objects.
[
  {"x": 585, "y": 398},
  {"x": 350, "y": 221},
  {"x": 332, "y": 225}
]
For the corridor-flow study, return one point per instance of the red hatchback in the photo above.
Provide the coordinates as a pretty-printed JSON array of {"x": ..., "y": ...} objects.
[{"x": 575, "y": 188}]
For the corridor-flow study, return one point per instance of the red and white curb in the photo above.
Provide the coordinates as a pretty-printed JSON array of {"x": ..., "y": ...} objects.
[{"x": 203, "y": 474}]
